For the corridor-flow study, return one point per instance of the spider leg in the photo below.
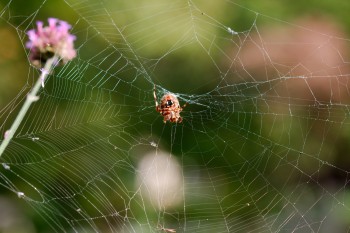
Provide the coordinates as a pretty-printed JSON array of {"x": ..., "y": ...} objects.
[
  {"x": 166, "y": 118},
  {"x": 183, "y": 106},
  {"x": 155, "y": 98}
]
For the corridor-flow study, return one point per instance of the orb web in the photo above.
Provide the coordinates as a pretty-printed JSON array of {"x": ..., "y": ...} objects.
[{"x": 263, "y": 142}]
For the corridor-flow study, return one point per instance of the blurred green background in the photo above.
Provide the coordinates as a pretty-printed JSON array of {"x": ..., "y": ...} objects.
[{"x": 264, "y": 143}]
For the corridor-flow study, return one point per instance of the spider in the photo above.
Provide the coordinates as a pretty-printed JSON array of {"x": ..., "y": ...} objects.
[{"x": 169, "y": 107}]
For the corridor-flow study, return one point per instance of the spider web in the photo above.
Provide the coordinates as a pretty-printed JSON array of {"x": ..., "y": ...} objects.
[{"x": 263, "y": 146}]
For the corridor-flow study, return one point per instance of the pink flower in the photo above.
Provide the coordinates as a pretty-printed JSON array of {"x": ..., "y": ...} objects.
[{"x": 54, "y": 39}]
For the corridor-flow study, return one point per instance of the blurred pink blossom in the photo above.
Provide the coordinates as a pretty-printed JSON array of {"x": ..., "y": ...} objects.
[
  {"x": 54, "y": 39},
  {"x": 308, "y": 62}
]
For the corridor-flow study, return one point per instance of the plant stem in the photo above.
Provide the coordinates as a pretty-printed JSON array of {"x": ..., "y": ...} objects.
[{"x": 31, "y": 97}]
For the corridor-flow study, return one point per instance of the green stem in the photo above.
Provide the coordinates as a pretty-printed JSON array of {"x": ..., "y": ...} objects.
[{"x": 31, "y": 97}]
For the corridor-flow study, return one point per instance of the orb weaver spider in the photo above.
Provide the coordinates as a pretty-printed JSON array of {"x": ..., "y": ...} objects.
[{"x": 169, "y": 107}]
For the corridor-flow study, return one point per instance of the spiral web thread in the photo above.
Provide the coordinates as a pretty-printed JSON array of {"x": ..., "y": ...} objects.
[{"x": 260, "y": 148}]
